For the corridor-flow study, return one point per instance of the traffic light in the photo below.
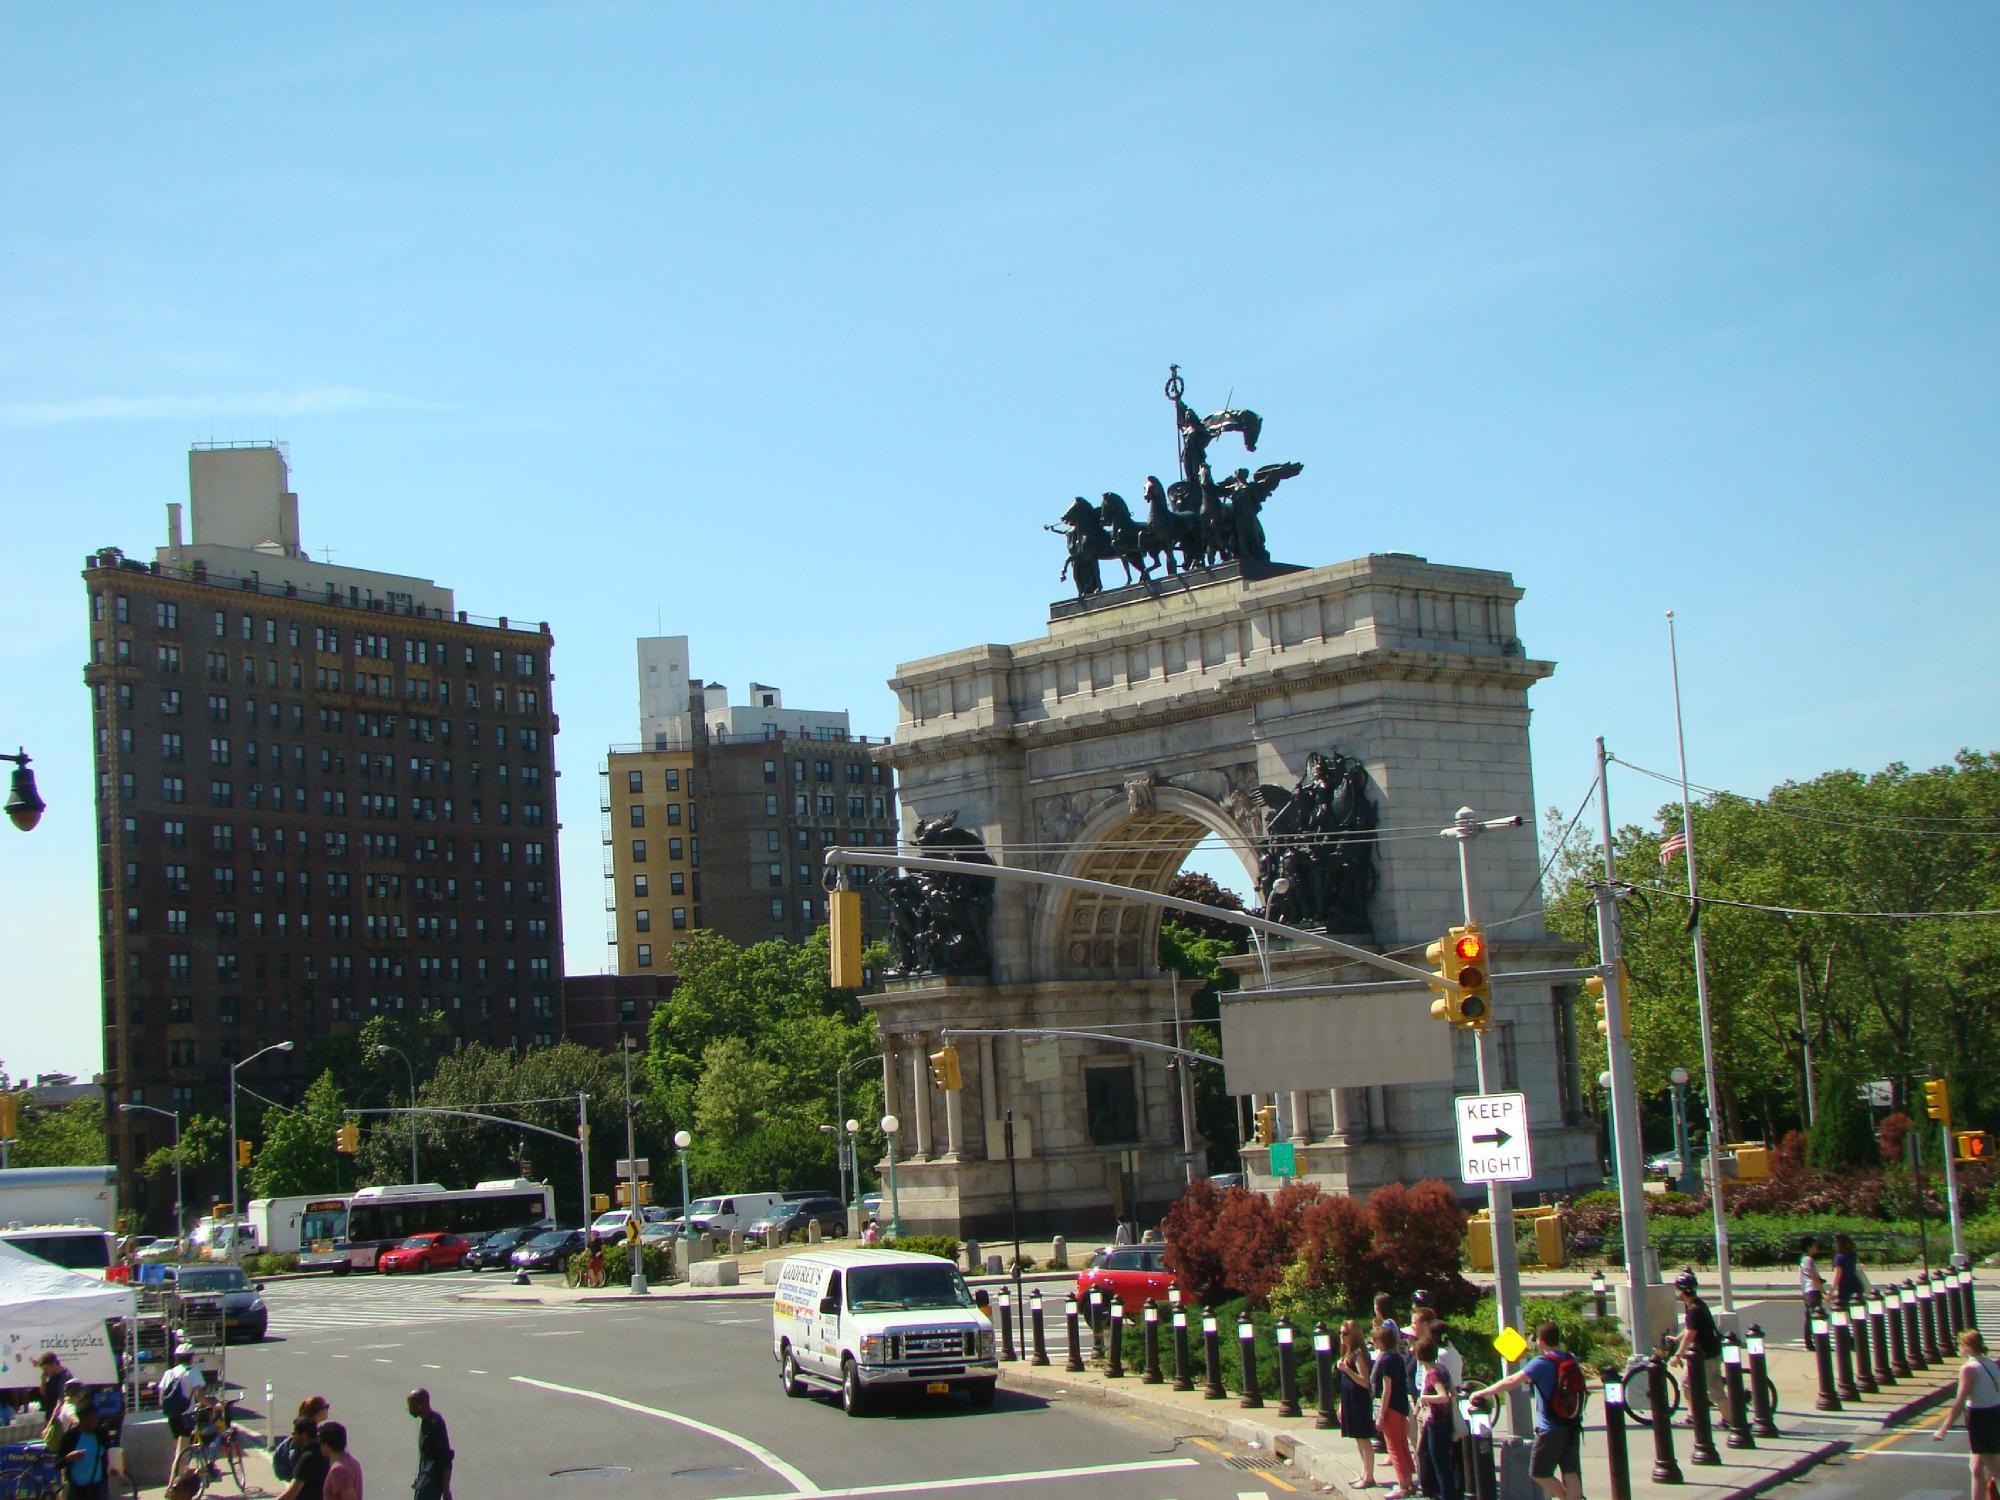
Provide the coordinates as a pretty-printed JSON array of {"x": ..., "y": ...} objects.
[
  {"x": 843, "y": 910},
  {"x": 347, "y": 1138},
  {"x": 242, "y": 1153},
  {"x": 945, "y": 1072},
  {"x": 1460, "y": 959},
  {"x": 1267, "y": 1124},
  {"x": 10, "y": 1112},
  {"x": 1975, "y": 1145},
  {"x": 1937, "y": 1100},
  {"x": 1594, "y": 987}
]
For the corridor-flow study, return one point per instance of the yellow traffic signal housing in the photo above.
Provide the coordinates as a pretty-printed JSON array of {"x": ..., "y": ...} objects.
[
  {"x": 10, "y": 1116},
  {"x": 1594, "y": 987},
  {"x": 1460, "y": 959},
  {"x": 945, "y": 1073},
  {"x": 242, "y": 1153},
  {"x": 1974, "y": 1145},
  {"x": 600, "y": 1203},
  {"x": 347, "y": 1138},
  {"x": 1937, "y": 1099},
  {"x": 843, "y": 910},
  {"x": 1267, "y": 1124}
]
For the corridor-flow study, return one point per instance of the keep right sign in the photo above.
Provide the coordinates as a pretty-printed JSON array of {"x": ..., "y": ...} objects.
[{"x": 1493, "y": 1138}]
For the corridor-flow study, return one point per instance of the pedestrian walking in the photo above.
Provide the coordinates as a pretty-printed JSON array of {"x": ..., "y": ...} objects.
[
  {"x": 434, "y": 1455},
  {"x": 343, "y": 1469},
  {"x": 1560, "y": 1389},
  {"x": 298, "y": 1461},
  {"x": 178, "y": 1388},
  {"x": 85, "y": 1467},
  {"x": 1848, "y": 1286},
  {"x": 1439, "y": 1436},
  {"x": 1812, "y": 1285},
  {"x": 1357, "y": 1414},
  {"x": 1391, "y": 1385},
  {"x": 1701, "y": 1339},
  {"x": 1978, "y": 1396},
  {"x": 1123, "y": 1234},
  {"x": 1426, "y": 1320}
]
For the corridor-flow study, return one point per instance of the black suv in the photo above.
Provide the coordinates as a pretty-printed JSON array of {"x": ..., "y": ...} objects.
[{"x": 490, "y": 1254}]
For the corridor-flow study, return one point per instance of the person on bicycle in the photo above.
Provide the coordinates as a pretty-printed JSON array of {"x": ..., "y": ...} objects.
[
  {"x": 593, "y": 1260},
  {"x": 1701, "y": 1340}
]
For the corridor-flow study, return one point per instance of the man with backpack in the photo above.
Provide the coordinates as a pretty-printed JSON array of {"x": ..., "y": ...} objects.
[
  {"x": 179, "y": 1387},
  {"x": 1560, "y": 1390},
  {"x": 1701, "y": 1339}
]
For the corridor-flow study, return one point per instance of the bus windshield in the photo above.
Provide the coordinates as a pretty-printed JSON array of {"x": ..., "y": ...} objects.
[{"x": 322, "y": 1221}]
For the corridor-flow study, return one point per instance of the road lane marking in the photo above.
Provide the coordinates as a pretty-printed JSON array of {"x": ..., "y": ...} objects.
[
  {"x": 795, "y": 1477},
  {"x": 433, "y": 1367},
  {"x": 980, "y": 1481},
  {"x": 559, "y": 1333},
  {"x": 381, "y": 1361},
  {"x": 337, "y": 1356},
  {"x": 475, "y": 1372}
]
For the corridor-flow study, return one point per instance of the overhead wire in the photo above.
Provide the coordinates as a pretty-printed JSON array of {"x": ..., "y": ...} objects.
[
  {"x": 1804, "y": 911},
  {"x": 1808, "y": 815}
]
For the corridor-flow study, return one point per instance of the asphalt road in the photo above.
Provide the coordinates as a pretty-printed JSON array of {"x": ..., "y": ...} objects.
[
  {"x": 679, "y": 1398},
  {"x": 1900, "y": 1465}
]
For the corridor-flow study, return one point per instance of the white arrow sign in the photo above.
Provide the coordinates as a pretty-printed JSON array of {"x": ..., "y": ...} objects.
[{"x": 1493, "y": 1138}]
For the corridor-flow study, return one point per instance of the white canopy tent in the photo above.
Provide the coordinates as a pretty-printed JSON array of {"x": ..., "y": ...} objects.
[{"x": 45, "y": 1307}]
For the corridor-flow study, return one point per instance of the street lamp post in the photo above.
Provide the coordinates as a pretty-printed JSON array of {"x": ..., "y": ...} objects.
[
  {"x": 890, "y": 1125},
  {"x": 385, "y": 1047},
  {"x": 236, "y": 1208},
  {"x": 839, "y": 1158},
  {"x": 180, "y": 1199},
  {"x": 854, "y": 1177},
  {"x": 24, "y": 805},
  {"x": 1610, "y": 1137},
  {"x": 635, "y": 1248},
  {"x": 1683, "y": 1152},
  {"x": 682, "y": 1140}
]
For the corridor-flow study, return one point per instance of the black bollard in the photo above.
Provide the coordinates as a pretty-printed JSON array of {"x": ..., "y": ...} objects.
[
  {"x": 1329, "y": 1397},
  {"x": 1971, "y": 1303},
  {"x": 1006, "y": 1324},
  {"x": 1211, "y": 1359},
  {"x": 1953, "y": 1317},
  {"x": 1152, "y": 1346},
  {"x": 1892, "y": 1319},
  {"x": 1597, "y": 1293},
  {"x": 1288, "y": 1370},
  {"x": 1913, "y": 1333},
  {"x": 1702, "y": 1450},
  {"x": 1481, "y": 1482},
  {"x": 1114, "y": 1335},
  {"x": 1739, "y": 1409},
  {"x": 1183, "y": 1372},
  {"x": 1666, "y": 1468},
  {"x": 1927, "y": 1319},
  {"x": 1822, "y": 1337},
  {"x": 1857, "y": 1338},
  {"x": 1878, "y": 1339},
  {"x": 1074, "y": 1364},
  {"x": 1036, "y": 1330},
  {"x": 1246, "y": 1349},
  {"x": 1615, "y": 1455},
  {"x": 1843, "y": 1354},
  {"x": 1763, "y": 1422}
]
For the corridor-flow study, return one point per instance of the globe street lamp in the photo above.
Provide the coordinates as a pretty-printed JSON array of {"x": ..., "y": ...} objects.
[
  {"x": 180, "y": 1209},
  {"x": 381, "y": 1047},
  {"x": 24, "y": 805},
  {"x": 682, "y": 1140},
  {"x": 890, "y": 1125},
  {"x": 236, "y": 1208},
  {"x": 854, "y": 1166}
]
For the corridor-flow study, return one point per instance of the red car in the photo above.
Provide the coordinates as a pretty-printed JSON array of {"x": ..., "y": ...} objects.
[
  {"x": 1135, "y": 1274},
  {"x": 424, "y": 1252}
]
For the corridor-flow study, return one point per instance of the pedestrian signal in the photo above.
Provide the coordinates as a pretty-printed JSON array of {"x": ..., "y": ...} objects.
[
  {"x": 1937, "y": 1099},
  {"x": 843, "y": 910},
  {"x": 945, "y": 1073},
  {"x": 1975, "y": 1145},
  {"x": 347, "y": 1138}
]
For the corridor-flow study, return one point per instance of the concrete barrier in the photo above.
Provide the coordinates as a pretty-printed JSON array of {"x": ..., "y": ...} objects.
[
  {"x": 770, "y": 1271},
  {"x": 712, "y": 1273},
  {"x": 1059, "y": 1254},
  {"x": 147, "y": 1448}
]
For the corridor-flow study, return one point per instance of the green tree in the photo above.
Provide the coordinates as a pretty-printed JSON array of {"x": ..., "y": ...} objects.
[
  {"x": 1197, "y": 958},
  {"x": 203, "y": 1138},
  {"x": 68, "y": 1135},
  {"x": 1843, "y": 1134},
  {"x": 298, "y": 1154}
]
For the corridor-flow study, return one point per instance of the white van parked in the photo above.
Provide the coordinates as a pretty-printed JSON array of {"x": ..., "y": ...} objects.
[
  {"x": 856, "y": 1321},
  {"x": 727, "y": 1211}
]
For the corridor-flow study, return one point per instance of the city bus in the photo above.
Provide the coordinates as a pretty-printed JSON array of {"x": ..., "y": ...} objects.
[
  {"x": 307, "y": 1226},
  {"x": 379, "y": 1217}
]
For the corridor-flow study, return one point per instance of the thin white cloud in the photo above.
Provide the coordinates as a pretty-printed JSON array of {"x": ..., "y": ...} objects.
[{"x": 312, "y": 402}]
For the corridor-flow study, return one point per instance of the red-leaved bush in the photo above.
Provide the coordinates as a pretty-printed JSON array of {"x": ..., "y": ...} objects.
[
  {"x": 1419, "y": 1240},
  {"x": 1194, "y": 1245}
]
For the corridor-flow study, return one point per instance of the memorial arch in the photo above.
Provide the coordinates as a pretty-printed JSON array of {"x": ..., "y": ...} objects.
[{"x": 1142, "y": 721}]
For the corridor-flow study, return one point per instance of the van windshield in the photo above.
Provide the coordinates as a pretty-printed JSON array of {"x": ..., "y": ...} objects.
[
  {"x": 878, "y": 1288},
  {"x": 705, "y": 1206}
]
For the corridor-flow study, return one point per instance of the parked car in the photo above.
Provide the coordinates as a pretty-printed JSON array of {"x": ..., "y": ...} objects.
[
  {"x": 1134, "y": 1274},
  {"x": 547, "y": 1251},
  {"x": 424, "y": 1252},
  {"x": 168, "y": 1251},
  {"x": 790, "y": 1218},
  {"x": 244, "y": 1316},
  {"x": 1227, "y": 1180},
  {"x": 720, "y": 1214},
  {"x": 871, "y": 1208},
  {"x": 611, "y": 1225},
  {"x": 490, "y": 1254}
]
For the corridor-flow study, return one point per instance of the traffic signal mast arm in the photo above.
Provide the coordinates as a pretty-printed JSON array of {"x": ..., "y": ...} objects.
[{"x": 473, "y": 1114}]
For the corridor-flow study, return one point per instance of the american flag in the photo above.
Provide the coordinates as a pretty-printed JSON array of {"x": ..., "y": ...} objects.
[{"x": 1672, "y": 846}]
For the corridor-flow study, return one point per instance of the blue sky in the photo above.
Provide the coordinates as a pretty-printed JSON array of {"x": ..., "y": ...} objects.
[{"x": 788, "y": 327}]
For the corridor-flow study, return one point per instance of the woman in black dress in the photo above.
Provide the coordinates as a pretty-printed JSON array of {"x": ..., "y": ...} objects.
[{"x": 1357, "y": 1413}]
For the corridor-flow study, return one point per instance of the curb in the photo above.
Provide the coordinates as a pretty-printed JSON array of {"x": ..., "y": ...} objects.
[
  {"x": 1212, "y": 1419},
  {"x": 1804, "y": 1463},
  {"x": 1917, "y": 1405}
]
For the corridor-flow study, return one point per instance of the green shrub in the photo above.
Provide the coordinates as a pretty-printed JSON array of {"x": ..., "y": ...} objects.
[
  {"x": 1593, "y": 1343},
  {"x": 927, "y": 1244},
  {"x": 656, "y": 1259},
  {"x": 269, "y": 1265}
]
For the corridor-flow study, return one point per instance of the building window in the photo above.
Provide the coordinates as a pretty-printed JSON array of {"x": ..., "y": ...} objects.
[
  {"x": 173, "y": 789},
  {"x": 645, "y": 955},
  {"x": 770, "y": 770},
  {"x": 167, "y": 616},
  {"x": 673, "y": 815},
  {"x": 642, "y": 920},
  {"x": 635, "y": 781},
  {"x": 1111, "y": 1105},
  {"x": 770, "y": 841},
  {"x": 778, "y": 912},
  {"x": 640, "y": 885},
  {"x": 777, "y": 873},
  {"x": 676, "y": 883},
  {"x": 770, "y": 804},
  {"x": 636, "y": 813},
  {"x": 681, "y": 917},
  {"x": 673, "y": 849},
  {"x": 638, "y": 851}
]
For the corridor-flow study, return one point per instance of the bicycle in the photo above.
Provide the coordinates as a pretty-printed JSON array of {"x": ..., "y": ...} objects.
[
  {"x": 219, "y": 1442},
  {"x": 29, "y": 1472},
  {"x": 1639, "y": 1394},
  {"x": 582, "y": 1271}
]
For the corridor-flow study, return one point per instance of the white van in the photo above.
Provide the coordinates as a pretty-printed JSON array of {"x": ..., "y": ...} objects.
[
  {"x": 727, "y": 1211},
  {"x": 856, "y": 1321}
]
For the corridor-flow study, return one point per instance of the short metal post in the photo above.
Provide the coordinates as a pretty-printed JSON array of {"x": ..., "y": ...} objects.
[
  {"x": 1246, "y": 1348},
  {"x": 1007, "y": 1324},
  {"x": 1857, "y": 1340},
  {"x": 1183, "y": 1369},
  {"x": 1115, "y": 1334},
  {"x": 1927, "y": 1319},
  {"x": 1666, "y": 1468},
  {"x": 1036, "y": 1330},
  {"x": 1913, "y": 1333},
  {"x": 1484, "y": 1483},
  {"x": 1952, "y": 1314},
  {"x": 1843, "y": 1354},
  {"x": 1822, "y": 1337},
  {"x": 1619, "y": 1460},
  {"x": 1597, "y": 1293},
  {"x": 1899, "y": 1357},
  {"x": 1702, "y": 1450},
  {"x": 1739, "y": 1410},
  {"x": 1329, "y": 1398},
  {"x": 1152, "y": 1345},
  {"x": 1288, "y": 1370},
  {"x": 1971, "y": 1302},
  {"x": 1211, "y": 1359},
  {"x": 1074, "y": 1364},
  {"x": 1878, "y": 1340},
  {"x": 1762, "y": 1421}
]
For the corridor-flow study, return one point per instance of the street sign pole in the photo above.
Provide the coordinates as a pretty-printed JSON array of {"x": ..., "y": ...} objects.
[{"x": 1499, "y": 1195}]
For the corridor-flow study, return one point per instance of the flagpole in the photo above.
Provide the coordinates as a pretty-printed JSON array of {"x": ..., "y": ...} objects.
[{"x": 1701, "y": 994}]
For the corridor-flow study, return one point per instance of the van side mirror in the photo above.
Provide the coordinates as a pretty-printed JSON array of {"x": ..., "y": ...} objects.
[{"x": 830, "y": 1306}]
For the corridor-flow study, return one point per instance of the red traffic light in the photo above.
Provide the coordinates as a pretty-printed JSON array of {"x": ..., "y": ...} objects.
[{"x": 1469, "y": 947}]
